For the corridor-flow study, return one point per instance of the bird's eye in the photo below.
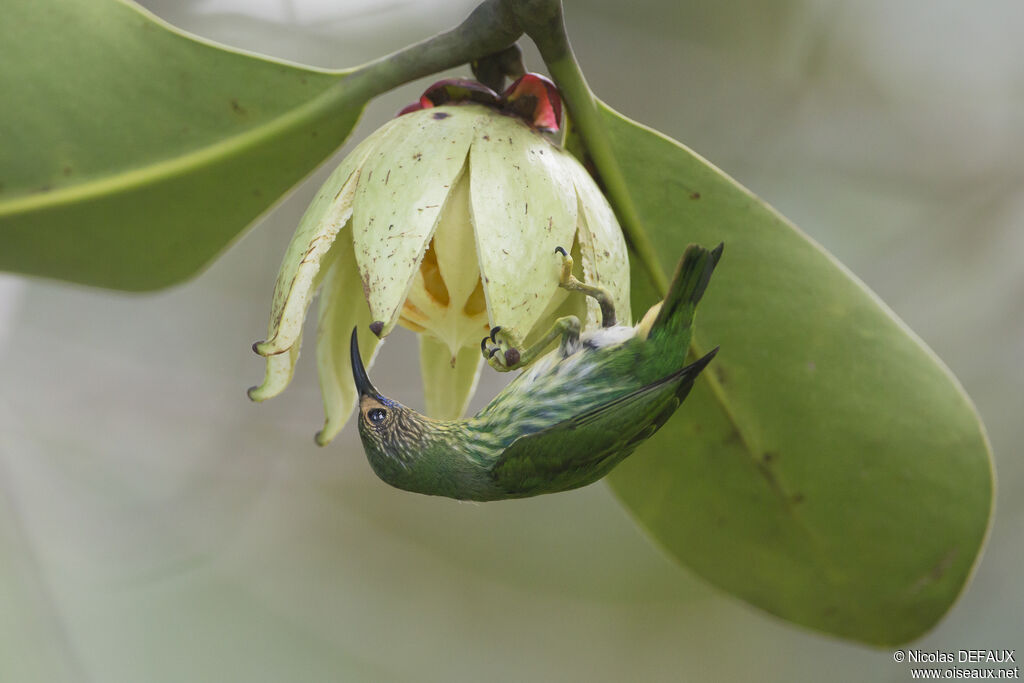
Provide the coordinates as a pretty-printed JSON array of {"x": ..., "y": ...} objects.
[{"x": 376, "y": 415}]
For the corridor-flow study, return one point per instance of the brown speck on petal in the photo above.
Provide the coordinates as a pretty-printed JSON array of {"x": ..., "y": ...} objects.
[{"x": 377, "y": 326}]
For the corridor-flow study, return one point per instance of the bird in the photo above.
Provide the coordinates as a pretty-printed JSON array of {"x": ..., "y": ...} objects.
[{"x": 571, "y": 416}]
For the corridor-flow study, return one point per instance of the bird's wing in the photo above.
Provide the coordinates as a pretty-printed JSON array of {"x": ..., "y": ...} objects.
[{"x": 582, "y": 449}]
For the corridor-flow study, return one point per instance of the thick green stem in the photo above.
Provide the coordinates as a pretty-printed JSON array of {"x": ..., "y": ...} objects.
[{"x": 493, "y": 26}]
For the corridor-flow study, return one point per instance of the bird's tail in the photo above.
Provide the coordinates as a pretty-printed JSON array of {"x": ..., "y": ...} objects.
[{"x": 675, "y": 316}]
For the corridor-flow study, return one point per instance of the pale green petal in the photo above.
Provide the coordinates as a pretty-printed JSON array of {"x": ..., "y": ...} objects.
[
  {"x": 278, "y": 374},
  {"x": 454, "y": 303},
  {"x": 342, "y": 307},
  {"x": 281, "y": 366},
  {"x": 455, "y": 246},
  {"x": 448, "y": 381},
  {"x": 602, "y": 246},
  {"x": 523, "y": 206},
  {"x": 326, "y": 215},
  {"x": 403, "y": 187}
]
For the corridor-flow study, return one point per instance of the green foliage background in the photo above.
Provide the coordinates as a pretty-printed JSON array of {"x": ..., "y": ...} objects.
[{"x": 150, "y": 536}]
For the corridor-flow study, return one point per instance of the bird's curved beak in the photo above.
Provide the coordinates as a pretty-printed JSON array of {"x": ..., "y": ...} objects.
[{"x": 363, "y": 384}]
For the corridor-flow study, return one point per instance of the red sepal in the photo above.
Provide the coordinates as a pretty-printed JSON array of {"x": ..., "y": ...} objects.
[
  {"x": 455, "y": 90},
  {"x": 535, "y": 99},
  {"x": 415, "y": 106}
]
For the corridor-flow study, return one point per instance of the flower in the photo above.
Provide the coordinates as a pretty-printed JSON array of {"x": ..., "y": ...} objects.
[{"x": 445, "y": 221}]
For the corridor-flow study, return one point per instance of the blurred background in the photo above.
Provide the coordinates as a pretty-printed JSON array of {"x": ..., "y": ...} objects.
[{"x": 157, "y": 526}]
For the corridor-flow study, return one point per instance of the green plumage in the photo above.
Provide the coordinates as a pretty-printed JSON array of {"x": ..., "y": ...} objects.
[{"x": 565, "y": 422}]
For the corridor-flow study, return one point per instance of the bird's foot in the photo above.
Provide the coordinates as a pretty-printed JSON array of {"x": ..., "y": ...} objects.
[
  {"x": 566, "y": 280},
  {"x": 500, "y": 352}
]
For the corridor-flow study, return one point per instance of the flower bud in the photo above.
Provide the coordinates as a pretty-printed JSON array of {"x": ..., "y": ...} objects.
[{"x": 444, "y": 221}]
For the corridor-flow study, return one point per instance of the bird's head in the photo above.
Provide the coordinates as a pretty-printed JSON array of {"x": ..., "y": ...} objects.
[{"x": 392, "y": 434}]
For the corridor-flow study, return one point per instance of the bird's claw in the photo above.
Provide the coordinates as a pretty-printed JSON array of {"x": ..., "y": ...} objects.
[
  {"x": 510, "y": 357},
  {"x": 499, "y": 351},
  {"x": 565, "y": 276}
]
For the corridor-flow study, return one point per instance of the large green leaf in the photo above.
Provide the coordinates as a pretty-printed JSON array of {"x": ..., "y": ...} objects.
[
  {"x": 131, "y": 154},
  {"x": 827, "y": 468}
]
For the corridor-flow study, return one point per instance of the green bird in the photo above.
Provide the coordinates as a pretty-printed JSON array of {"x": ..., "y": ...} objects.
[{"x": 567, "y": 420}]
